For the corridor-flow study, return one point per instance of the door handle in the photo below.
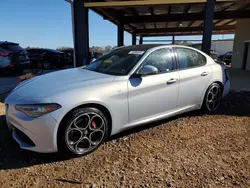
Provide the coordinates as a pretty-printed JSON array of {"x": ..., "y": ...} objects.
[
  {"x": 171, "y": 81},
  {"x": 204, "y": 74}
]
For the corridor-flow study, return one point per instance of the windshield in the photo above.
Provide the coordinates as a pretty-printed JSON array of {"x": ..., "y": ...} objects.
[{"x": 118, "y": 62}]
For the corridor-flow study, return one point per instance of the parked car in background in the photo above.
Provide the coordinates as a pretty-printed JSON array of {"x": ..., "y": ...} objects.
[
  {"x": 73, "y": 111},
  {"x": 13, "y": 58},
  {"x": 92, "y": 55},
  {"x": 70, "y": 52},
  {"x": 97, "y": 54},
  {"x": 214, "y": 54},
  {"x": 48, "y": 58},
  {"x": 227, "y": 58}
]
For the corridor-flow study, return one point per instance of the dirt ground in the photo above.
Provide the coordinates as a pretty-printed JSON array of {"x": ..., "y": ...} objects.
[{"x": 192, "y": 150}]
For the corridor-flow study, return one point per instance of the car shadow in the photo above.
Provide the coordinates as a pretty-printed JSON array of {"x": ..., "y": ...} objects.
[
  {"x": 234, "y": 104},
  {"x": 12, "y": 157}
]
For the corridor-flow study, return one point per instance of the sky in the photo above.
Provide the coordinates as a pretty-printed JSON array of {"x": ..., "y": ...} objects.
[{"x": 47, "y": 24}]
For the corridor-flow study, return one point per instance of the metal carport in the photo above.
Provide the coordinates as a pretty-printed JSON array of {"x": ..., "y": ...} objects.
[{"x": 146, "y": 18}]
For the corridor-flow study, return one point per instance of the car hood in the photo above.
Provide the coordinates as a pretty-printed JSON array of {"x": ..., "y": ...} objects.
[{"x": 52, "y": 83}]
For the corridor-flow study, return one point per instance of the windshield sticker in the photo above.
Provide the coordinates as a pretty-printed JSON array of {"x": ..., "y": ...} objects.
[{"x": 136, "y": 52}]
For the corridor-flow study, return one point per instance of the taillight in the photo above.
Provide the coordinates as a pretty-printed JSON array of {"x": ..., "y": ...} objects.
[{"x": 4, "y": 54}]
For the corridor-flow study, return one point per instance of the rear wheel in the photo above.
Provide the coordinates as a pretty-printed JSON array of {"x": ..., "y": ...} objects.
[
  {"x": 83, "y": 132},
  {"x": 212, "y": 99}
]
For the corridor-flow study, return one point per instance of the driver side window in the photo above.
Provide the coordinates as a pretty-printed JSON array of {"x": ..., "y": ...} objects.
[{"x": 161, "y": 59}]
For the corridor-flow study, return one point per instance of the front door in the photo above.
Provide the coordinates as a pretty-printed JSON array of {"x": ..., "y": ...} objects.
[{"x": 154, "y": 94}]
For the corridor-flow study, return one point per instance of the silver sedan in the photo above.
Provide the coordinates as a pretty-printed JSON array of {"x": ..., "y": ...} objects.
[{"x": 75, "y": 110}]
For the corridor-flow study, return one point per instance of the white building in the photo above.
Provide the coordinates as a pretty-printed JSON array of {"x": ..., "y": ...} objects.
[{"x": 220, "y": 46}]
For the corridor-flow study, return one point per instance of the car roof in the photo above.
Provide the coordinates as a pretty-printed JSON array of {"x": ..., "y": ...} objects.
[
  {"x": 44, "y": 49},
  {"x": 148, "y": 47},
  {"x": 6, "y": 43},
  {"x": 143, "y": 47}
]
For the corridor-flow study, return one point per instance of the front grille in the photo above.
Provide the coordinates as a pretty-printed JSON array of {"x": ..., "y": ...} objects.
[{"x": 24, "y": 137}]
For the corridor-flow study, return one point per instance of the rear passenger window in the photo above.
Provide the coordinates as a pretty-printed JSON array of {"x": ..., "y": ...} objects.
[{"x": 189, "y": 58}]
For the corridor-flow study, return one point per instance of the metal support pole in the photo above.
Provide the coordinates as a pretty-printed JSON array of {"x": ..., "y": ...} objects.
[
  {"x": 133, "y": 38},
  {"x": 173, "y": 39},
  {"x": 208, "y": 26},
  {"x": 73, "y": 28},
  {"x": 120, "y": 35},
  {"x": 81, "y": 33},
  {"x": 141, "y": 40}
]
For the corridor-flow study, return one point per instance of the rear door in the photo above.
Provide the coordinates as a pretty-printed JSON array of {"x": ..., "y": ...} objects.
[
  {"x": 194, "y": 76},
  {"x": 154, "y": 95}
]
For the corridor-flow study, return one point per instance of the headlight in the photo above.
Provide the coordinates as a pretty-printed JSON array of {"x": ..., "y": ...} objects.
[{"x": 36, "y": 110}]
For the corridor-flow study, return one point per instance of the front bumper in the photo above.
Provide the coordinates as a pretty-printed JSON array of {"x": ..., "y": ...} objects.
[{"x": 39, "y": 133}]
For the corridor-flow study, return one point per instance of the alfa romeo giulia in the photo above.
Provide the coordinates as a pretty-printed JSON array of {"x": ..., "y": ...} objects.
[{"x": 75, "y": 110}]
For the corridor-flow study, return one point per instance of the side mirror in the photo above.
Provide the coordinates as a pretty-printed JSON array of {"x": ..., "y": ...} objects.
[{"x": 148, "y": 70}]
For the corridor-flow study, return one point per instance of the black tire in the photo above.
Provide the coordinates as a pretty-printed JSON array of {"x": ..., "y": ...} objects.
[
  {"x": 206, "y": 105},
  {"x": 63, "y": 132}
]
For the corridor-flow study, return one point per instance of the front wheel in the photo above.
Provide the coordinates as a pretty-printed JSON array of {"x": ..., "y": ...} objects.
[
  {"x": 212, "y": 99},
  {"x": 83, "y": 132}
]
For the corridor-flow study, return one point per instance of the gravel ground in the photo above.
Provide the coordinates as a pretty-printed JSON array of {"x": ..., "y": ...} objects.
[{"x": 192, "y": 150}]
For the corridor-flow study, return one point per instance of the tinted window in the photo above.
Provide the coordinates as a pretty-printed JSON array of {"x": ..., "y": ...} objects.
[
  {"x": 35, "y": 52},
  {"x": 189, "y": 58},
  {"x": 12, "y": 47},
  {"x": 31, "y": 52},
  {"x": 161, "y": 59},
  {"x": 1, "y": 49}
]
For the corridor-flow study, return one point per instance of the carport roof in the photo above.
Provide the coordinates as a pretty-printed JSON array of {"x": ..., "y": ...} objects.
[{"x": 170, "y": 17}]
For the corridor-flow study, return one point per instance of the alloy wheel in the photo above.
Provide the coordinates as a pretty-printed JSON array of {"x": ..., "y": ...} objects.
[
  {"x": 213, "y": 99},
  {"x": 85, "y": 133}
]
